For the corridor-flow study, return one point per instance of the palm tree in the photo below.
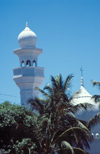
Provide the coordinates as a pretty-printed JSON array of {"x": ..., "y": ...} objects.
[
  {"x": 57, "y": 128},
  {"x": 60, "y": 133},
  {"x": 96, "y": 119},
  {"x": 60, "y": 86}
]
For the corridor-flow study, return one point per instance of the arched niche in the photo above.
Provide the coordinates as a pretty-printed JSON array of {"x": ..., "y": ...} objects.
[
  {"x": 28, "y": 63},
  {"x": 22, "y": 63},
  {"x": 34, "y": 63}
]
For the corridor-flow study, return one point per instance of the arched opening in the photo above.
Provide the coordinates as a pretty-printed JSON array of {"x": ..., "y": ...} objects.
[
  {"x": 28, "y": 63},
  {"x": 34, "y": 63},
  {"x": 22, "y": 64}
]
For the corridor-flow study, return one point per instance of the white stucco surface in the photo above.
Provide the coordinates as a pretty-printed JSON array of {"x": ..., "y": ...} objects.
[
  {"x": 27, "y": 38},
  {"x": 28, "y": 75}
]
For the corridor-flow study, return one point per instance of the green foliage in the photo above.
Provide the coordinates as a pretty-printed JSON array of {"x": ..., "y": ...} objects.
[
  {"x": 16, "y": 125},
  {"x": 10, "y": 114},
  {"x": 53, "y": 130}
]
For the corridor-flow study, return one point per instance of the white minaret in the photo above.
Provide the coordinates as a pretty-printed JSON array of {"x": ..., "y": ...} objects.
[{"x": 28, "y": 75}]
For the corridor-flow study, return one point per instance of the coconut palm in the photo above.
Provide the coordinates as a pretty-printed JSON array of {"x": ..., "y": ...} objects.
[
  {"x": 57, "y": 128},
  {"x": 60, "y": 133},
  {"x": 53, "y": 130},
  {"x": 96, "y": 119},
  {"x": 59, "y": 86}
]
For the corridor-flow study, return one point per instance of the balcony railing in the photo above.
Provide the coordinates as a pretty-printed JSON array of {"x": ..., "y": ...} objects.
[{"x": 29, "y": 71}]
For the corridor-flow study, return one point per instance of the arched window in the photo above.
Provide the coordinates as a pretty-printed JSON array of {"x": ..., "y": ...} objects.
[
  {"x": 34, "y": 63},
  {"x": 28, "y": 63},
  {"x": 22, "y": 64}
]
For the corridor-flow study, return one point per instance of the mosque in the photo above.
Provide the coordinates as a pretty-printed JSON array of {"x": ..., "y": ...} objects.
[{"x": 29, "y": 75}]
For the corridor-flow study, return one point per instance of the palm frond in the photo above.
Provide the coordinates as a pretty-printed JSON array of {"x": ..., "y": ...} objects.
[
  {"x": 64, "y": 147},
  {"x": 83, "y": 106},
  {"x": 49, "y": 88},
  {"x": 68, "y": 82},
  {"x": 37, "y": 103},
  {"x": 71, "y": 129},
  {"x": 94, "y": 121},
  {"x": 79, "y": 151},
  {"x": 59, "y": 81},
  {"x": 96, "y": 98},
  {"x": 43, "y": 92},
  {"x": 96, "y": 83},
  {"x": 53, "y": 82}
]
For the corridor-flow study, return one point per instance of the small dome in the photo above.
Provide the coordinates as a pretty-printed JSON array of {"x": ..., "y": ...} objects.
[{"x": 27, "y": 38}]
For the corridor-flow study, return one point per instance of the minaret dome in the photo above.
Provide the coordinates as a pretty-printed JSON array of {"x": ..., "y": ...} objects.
[{"x": 27, "y": 38}]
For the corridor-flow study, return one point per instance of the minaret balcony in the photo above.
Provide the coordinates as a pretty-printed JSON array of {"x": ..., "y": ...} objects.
[{"x": 29, "y": 71}]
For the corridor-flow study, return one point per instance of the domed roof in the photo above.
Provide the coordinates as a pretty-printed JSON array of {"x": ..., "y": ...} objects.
[
  {"x": 27, "y": 38},
  {"x": 82, "y": 96}
]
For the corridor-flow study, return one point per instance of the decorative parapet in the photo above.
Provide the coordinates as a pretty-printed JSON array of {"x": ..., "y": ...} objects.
[{"x": 30, "y": 71}]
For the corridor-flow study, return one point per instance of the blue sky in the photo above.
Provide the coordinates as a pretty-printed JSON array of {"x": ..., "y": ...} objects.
[{"x": 68, "y": 31}]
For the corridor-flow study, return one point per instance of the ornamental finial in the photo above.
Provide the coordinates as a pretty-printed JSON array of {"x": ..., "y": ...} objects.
[
  {"x": 26, "y": 24},
  {"x": 82, "y": 84},
  {"x": 81, "y": 72}
]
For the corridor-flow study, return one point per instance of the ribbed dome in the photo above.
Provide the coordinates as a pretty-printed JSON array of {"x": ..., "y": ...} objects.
[{"x": 27, "y": 38}]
